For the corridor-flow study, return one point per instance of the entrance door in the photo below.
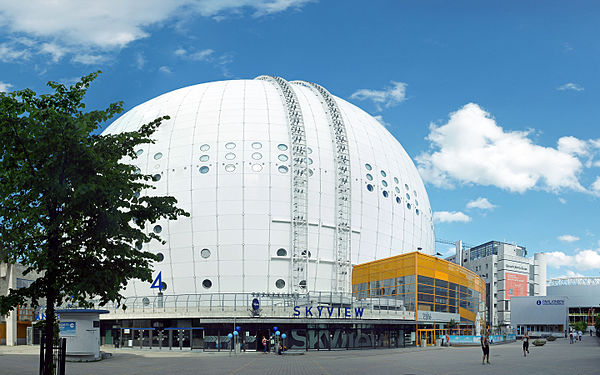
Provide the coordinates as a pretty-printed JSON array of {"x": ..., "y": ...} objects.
[{"x": 426, "y": 336}]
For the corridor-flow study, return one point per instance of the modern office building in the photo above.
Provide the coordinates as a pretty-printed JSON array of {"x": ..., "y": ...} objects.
[
  {"x": 435, "y": 290},
  {"x": 539, "y": 315},
  {"x": 507, "y": 272},
  {"x": 583, "y": 297}
]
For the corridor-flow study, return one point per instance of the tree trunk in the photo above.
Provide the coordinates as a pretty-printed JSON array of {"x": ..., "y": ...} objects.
[{"x": 49, "y": 330}]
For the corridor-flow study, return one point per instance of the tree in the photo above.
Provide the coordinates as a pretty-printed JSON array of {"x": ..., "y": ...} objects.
[
  {"x": 70, "y": 207},
  {"x": 597, "y": 323}
]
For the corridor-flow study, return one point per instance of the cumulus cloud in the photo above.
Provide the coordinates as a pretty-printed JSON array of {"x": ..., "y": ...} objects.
[
  {"x": 89, "y": 59},
  {"x": 568, "y": 238},
  {"x": 582, "y": 260},
  {"x": 471, "y": 148},
  {"x": 4, "y": 87},
  {"x": 73, "y": 25},
  {"x": 201, "y": 55},
  {"x": 388, "y": 97},
  {"x": 165, "y": 69},
  {"x": 450, "y": 217},
  {"x": 571, "y": 273},
  {"x": 596, "y": 186},
  {"x": 481, "y": 203},
  {"x": 562, "y": 200},
  {"x": 570, "y": 86},
  {"x": 381, "y": 120}
]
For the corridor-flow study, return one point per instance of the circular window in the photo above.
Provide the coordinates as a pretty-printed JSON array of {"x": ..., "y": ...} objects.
[
  {"x": 230, "y": 145},
  {"x": 256, "y": 167},
  {"x": 230, "y": 167},
  {"x": 282, "y": 147},
  {"x": 408, "y": 206},
  {"x": 310, "y": 173},
  {"x": 302, "y": 284},
  {"x": 156, "y": 177},
  {"x": 157, "y": 229},
  {"x": 205, "y": 253},
  {"x": 407, "y": 196},
  {"x": 398, "y": 199},
  {"x": 397, "y": 189},
  {"x": 406, "y": 187},
  {"x": 369, "y": 177},
  {"x": 138, "y": 245},
  {"x": 136, "y": 194},
  {"x": 415, "y": 193},
  {"x": 369, "y": 187},
  {"x": 145, "y": 301},
  {"x": 256, "y": 145},
  {"x": 204, "y": 147},
  {"x": 139, "y": 152},
  {"x": 163, "y": 286},
  {"x": 282, "y": 157},
  {"x": 396, "y": 180},
  {"x": 230, "y": 156},
  {"x": 158, "y": 155},
  {"x": 280, "y": 283},
  {"x": 204, "y": 169},
  {"x": 304, "y": 253},
  {"x": 416, "y": 202},
  {"x": 206, "y": 283},
  {"x": 137, "y": 170},
  {"x": 160, "y": 256},
  {"x": 257, "y": 156},
  {"x": 310, "y": 161},
  {"x": 383, "y": 173},
  {"x": 368, "y": 166},
  {"x": 309, "y": 150},
  {"x": 204, "y": 158},
  {"x": 385, "y": 193},
  {"x": 384, "y": 183},
  {"x": 283, "y": 169},
  {"x": 417, "y": 211},
  {"x": 281, "y": 252}
]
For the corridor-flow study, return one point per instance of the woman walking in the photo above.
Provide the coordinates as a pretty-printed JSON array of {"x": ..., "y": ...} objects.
[
  {"x": 525, "y": 344},
  {"x": 485, "y": 346}
]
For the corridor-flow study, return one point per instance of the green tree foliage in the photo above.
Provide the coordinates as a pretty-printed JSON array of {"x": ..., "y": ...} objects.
[
  {"x": 69, "y": 207},
  {"x": 579, "y": 326}
]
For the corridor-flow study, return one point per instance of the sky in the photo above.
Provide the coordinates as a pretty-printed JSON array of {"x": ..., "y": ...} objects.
[{"x": 496, "y": 102}]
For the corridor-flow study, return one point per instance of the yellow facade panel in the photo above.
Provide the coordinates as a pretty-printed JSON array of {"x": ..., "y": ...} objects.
[{"x": 441, "y": 275}]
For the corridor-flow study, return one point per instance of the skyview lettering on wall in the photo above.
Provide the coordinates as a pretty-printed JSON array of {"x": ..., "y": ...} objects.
[{"x": 328, "y": 312}]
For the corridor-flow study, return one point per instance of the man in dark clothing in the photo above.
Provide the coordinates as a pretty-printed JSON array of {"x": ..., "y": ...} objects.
[{"x": 485, "y": 346}]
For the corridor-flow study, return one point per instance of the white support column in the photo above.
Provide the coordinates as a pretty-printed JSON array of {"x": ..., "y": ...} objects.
[{"x": 11, "y": 319}]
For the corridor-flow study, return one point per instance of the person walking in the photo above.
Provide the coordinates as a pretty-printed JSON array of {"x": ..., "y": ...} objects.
[
  {"x": 485, "y": 347},
  {"x": 525, "y": 344},
  {"x": 571, "y": 337},
  {"x": 580, "y": 335},
  {"x": 264, "y": 342}
]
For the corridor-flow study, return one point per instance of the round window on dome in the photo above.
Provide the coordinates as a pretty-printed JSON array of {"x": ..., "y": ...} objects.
[
  {"x": 369, "y": 187},
  {"x": 257, "y": 167},
  {"x": 310, "y": 161},
  {"x": 282, "y": 169},
  {"x": 302, "y": 284},
  {"x": 417, "y": 211},
  {"x": 204, "y": 158},
  {"x": 282, "y": 147},
  {"x": 310, "y": 173},
  {"x": 396, "y": 180},
  {"x": 384, "y": 183},
  {"x": 156, "y": 177},
  {"x": 281, "y": 252},
  {"x": 137, "y": 170},
  {"x": 256, "y": 145},
  {"x": 204, "y": 170},
  {"x": 385, "y": 194},
  {"x": 139, "y": 152},
  {"x": 280, "y": 283},
  {"x": 415, "y": 193},
  {"x": 406, "y": 186},
  {"x": 408, "y": 206},
  {"x": 368, "y": 166},
  {"x": 160, "y": 256},
  {"x": 145, "y": 301},
  {"x": 206, "y": 283},
  {"x": 230, "y": 167},
  {"x": 309, "y": 150},
  {"x": 397, "y": 189},
  {"x": 139, "y": 245},
  {"x": 204, "y": 253},
  {"x": 398, "y": 200},
  {"x": 158, "y": 155},
  {"x": 163, "y": 286},
  {"x": 369, "y": 177},
  {"x": 157, "y": 229},
  {"x": 204, "y": 147},
  {"x": 407, "y": 196},
  {"x": 416, "y": 202},
  {"x": 257, "y": 156},
  {"x": 230, "y": 156},
  {"x": 383, "y": 173},
  {"x": 282, "y": 157},
  {"x": 230, "y": 145}
]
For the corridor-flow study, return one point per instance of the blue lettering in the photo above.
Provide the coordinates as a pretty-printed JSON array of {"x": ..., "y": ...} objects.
[
  {"x": 308, "y": 311},
  {"x": 296, "y": 311},
  {"x": 330, "y": 311},
  {"x": 358, "y": 311},
  {"x": 339, "y": 309},
  {"x": 320, "y": 308},
  {"x": 347, "y": 312}
]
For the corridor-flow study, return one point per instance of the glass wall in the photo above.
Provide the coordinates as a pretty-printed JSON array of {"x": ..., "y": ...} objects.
[{"x": 443, "y": 296}]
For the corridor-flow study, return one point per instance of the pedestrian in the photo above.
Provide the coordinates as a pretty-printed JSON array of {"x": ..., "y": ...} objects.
[
  {"x": 264, "y": 342},
  {"x": 485, "y": 347},
  {"x": 448, "y": 339},
  {"x": 590, "y": 332},
  {"x": 580, "y": 334},
  {"x": 525, "y": 344},
  {"x": 571, "y": 336}
]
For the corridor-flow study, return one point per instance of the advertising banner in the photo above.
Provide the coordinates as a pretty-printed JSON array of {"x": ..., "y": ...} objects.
[
  {"x": 67, "y": 328},
  {"x": 515, "y": 285}
]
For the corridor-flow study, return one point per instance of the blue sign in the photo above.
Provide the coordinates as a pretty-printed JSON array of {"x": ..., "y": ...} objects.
[
  {"x": 328, "y": 312},
  {"x": 550, "y": 302},
  {"x": 255, "y": 304},
  {"x": 67, "y": 328}
]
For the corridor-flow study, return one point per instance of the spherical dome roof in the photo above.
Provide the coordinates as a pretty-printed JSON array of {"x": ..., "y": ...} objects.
[{"x": 287, "y": 185}]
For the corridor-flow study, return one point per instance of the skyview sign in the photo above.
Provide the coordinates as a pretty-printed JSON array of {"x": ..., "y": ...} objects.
[{"x": 328, "y": 312}]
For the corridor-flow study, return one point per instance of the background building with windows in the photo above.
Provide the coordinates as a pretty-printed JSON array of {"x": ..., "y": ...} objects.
[
  {"x": 583, "y": 296},
  {"x": 13, "y": 327},
  {"x": 539, "y": 315},
  {"x": 507, "y": 272}
]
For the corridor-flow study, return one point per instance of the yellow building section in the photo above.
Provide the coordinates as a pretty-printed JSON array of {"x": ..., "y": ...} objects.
[{"x": 422, "y": 282}]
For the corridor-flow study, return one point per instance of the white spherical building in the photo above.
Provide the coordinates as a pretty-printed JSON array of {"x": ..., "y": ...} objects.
[{"x": 287, "y": 187}]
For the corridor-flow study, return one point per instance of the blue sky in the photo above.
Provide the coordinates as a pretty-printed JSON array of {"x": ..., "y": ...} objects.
[{"x": 495, "y": 101}]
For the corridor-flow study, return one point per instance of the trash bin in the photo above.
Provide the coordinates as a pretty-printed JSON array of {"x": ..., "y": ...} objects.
[
  {"x": 438, "y": 342},
  {"x": 423, "y": 343}
]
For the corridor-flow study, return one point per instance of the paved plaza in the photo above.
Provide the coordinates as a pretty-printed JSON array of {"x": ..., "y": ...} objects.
[{"x": 557, "y": 358}]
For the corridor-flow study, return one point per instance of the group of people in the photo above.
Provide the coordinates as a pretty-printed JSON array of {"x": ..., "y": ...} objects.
[
  {"x": 573, "y": 336},
  {"x": 265, "y": 342},
  {"x": 485, "y": 347}
]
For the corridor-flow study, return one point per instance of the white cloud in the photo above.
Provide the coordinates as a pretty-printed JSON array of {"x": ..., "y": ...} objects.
[
  {"x": 201, "y": 55},
  {"x": 582, "y": 260},
  {"x": 450, "y": 217},
  {"x": 4, "y": 87},
  {"x": 481, "y": 203},
  {"x": 140, "y": 60},
  {"x": 380, "y": 119},
  {"x": 385, "y": 98},
  {"x": 562, "y": 200},
  {"x": 89, "y": 59},
  {"x": 567, "y": 238},
  {"x": 11, "y": 51},
  {"x": 165, "y": 69},
  {"x": 570, "y": 86},
  {"x": 472, "y": 148},
  {"x": 56, "y": 51},
  {"x": 571, "y": 273},
  {"x": 596, "y": 186}
]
